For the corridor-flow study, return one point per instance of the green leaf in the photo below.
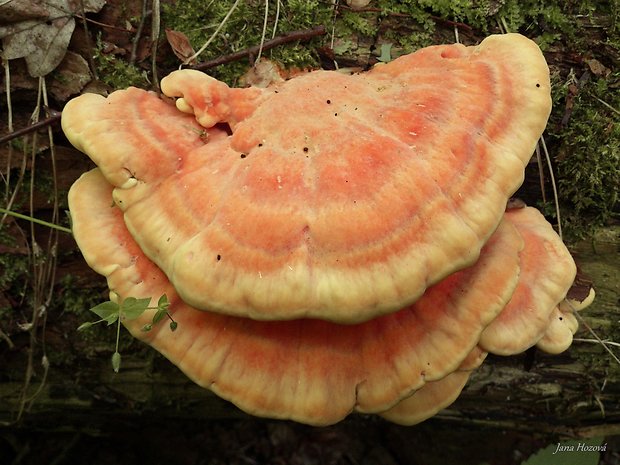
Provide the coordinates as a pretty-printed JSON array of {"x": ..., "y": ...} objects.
[
  {"x": 132, "y": 308},
  {"x": 163, "y": 303},
  {"x": 159, "y": 315},
  {"x": 111, "y": 319},
  {"x": 116, "y": 361},
  {"x": 386, "y": 53},
  {"x": 105, "y": 309},
  {"x": 86, "y": 325},
  {"x": 173, "y": 325},
  {"x": 146, "y": 328}
]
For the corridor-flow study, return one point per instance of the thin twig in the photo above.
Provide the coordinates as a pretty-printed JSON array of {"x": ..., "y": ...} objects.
[
  {"x": 215, "y": 33},
  {"x": 155, "y": 27},
  {"x": 35, "y": 220},
  {"x": 107, "y": 26},
  {"x": 276, "y": 20},
  {"x": 305, "y": 34},
  {"x": 9, "y": 104},
  {"x": 336, "y": 5},
  {"x": 505, "y": 24},
  {"x": 597, "y": 341},
  {"x": 136, "y": 38},
  {"x": 53, "y": 237},
  {"x": 89, "y": 43},
  {"x": 556, "y": 198},
  {"x": 264, "y": 32},
  {"x": 541, "y": 173},
  {"x": 53, "y": 118},
  {"x": 596, "y": 336},
  {"x": 7, "y": 339},
  {"x": 608, "y": 105}
]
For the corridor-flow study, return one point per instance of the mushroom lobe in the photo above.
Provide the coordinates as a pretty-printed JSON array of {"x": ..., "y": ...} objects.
[
  {"x": 309, "y": 370},
  {"x": 334, "y": 197}
]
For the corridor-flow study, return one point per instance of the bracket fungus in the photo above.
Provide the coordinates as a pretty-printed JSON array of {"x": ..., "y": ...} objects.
[
  {"x": 330, "y": 186},
  {"x": 330, "y": 243}
]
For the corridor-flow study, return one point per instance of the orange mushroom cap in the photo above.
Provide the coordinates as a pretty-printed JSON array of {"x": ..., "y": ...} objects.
[
  {"x": 336, "y": 197},
  {"x": 547, "y": 272},
  {"x": 435, "y": 395},
  {"x": 312, "y": 371},
  {"x": 559, "y": 333},
  {"x": 563, "y": 323}
]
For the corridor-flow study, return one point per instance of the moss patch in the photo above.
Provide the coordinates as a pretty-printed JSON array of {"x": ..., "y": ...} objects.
[
  {"x": 115, "y": 72},
  {"x": 588, "y": 153},
  {"x": 243, "y": 29}
]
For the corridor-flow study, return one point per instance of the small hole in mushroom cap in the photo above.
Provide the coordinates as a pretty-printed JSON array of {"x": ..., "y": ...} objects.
[
  {"x": 219, "y": 257},
  {"x": 243, "y": 155},
  {"x": 306, "y": 149},
  {"x": 329, "y": 101}
]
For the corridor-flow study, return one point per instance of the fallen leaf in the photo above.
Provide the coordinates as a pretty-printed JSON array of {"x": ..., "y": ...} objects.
[
  {"x": 40, "y": 33},
  {"x": 70, "y": 77},
  {"x": 598, "y": 68},
  {"x": 262, "y": 74},
  {"x": 357, "y": 4},
  {"x": 12, "y": 11},
  {"x": 180, "y": 46}
]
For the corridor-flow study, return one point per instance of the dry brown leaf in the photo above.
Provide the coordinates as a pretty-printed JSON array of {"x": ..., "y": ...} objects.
[
  {"x": 180, "y": 46},
  {"x": 40, "y": 32},
  {"x": 70, "y": 77},
  {"x": 598, "y": 68}
]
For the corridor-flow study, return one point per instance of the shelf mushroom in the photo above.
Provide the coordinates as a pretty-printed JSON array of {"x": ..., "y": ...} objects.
[
  {"x": 536, "y": 314},
  {"x": 335, "y": 197},
  {"x": 312, "y": 371},
  {"x": 545, "y": 261},
  {"x": 328, "y": 244},
  {"x": 405, "y": 366},
  {"x": 435, "y": 395}
]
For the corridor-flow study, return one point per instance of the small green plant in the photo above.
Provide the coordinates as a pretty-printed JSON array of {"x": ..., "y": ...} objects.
[{"x": 129, "y": 309}]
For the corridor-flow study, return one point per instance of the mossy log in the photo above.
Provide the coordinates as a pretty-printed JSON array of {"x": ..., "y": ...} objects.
[{"x": 574, "y": 394}]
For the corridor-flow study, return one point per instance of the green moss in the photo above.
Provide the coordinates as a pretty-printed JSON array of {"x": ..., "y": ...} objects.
[
  {"x": 78, "y": 300},
  {"x": 473, "y": 13},
  {"x": 243, "y": 29},
  {"x": 410, "y": 26},
  {"x": 14, "y": 271},
  {"x": 115, "y": 72},
  {"x": 360, "y": 23},
  {"x": 588, "y": 156}
]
